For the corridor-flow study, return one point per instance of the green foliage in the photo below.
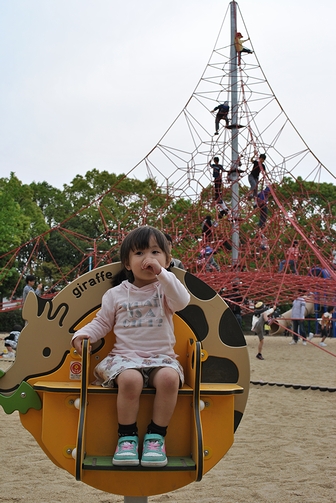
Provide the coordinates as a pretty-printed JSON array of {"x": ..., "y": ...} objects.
[
  {"x": 14, "y": 225},
  {"x": 91, "y": 214},
  {"x": 32, "y": 216}
]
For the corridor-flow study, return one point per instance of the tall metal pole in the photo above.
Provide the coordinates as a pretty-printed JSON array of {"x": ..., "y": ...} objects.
[{"x": 234, "y": 132}]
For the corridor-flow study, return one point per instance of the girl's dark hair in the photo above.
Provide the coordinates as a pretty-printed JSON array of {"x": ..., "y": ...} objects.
[
  {"x": 168, "y": 237},
  {"x": 138, "y": 239}
]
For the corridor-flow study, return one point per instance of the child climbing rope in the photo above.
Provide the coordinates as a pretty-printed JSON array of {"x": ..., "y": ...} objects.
[
  {"x": 262, "y": 201},
  {"x": 207, "y": 256},
  {"x": 217, "y": 174},
  {"x": 253, "y": 178},
  {"x": 239, "y": 46},
  {"x": 222, "y": 114}
]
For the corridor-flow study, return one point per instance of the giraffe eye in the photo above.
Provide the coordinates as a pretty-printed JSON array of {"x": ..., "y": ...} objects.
[{"x": 46, "y": 352}]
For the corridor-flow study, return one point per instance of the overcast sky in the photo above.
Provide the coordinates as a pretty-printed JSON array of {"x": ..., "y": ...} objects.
[{"x": 95, "y": 83}]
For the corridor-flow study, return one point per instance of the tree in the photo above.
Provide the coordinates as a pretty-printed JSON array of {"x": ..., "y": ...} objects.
[{"x": 20, "y": 220}]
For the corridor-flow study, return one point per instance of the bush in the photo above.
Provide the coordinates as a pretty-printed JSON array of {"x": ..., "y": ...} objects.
[{"x": 10, "y": 318}]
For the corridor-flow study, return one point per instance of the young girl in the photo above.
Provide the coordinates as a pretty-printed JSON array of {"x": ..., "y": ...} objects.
[{"x": 140, "y": 311}]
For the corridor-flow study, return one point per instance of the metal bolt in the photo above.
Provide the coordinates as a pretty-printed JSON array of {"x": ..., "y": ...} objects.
[
  {"x": 23, "y": 395},
  {"x": 69, "y": 451},
  {"x": 206, "y": 453}
]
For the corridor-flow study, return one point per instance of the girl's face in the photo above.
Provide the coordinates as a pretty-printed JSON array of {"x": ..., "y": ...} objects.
[{"x": 145, "y": 276}]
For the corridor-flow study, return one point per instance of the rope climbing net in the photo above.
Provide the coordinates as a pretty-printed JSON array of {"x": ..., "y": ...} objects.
[{"x": 301, "y": 205}]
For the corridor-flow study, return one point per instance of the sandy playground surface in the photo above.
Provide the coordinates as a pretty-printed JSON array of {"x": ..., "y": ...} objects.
[{"x": 284, "y": 449}]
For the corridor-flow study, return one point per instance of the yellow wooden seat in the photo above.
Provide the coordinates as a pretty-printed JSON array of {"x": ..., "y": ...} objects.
[
  {"x": 76, "y": 422},
  {"x": 88, "y": 454}
]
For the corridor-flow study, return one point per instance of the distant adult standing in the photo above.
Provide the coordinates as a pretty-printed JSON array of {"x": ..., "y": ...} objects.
[
  {"x": 30, "y": 283},
  {"x": 222, "y": 114},
  {"x": 298, "y": 316},
  {"x": 253, "y": 178}
]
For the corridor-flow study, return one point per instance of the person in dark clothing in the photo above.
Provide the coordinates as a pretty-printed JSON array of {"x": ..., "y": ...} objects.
[
  {"x": 207, "y": 228},
  {"x": 217, "y": 170},
  {"x": 217, "y": 174},
  {"x": 234, "y": 300},
  {"x": 262, "y": 202},
  {"x": 253, "y": 177},
  {"x": 222, "y": 114}
]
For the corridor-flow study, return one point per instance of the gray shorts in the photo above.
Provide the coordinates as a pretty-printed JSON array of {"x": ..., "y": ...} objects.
[
  {"x": 108, "y": 369},
  {"x": 259, "y": 328}
]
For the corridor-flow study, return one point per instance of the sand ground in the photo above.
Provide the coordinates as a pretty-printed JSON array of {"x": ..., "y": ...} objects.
[{"x": 284, "y": 449}]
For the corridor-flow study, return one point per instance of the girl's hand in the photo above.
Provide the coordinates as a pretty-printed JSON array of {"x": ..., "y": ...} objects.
[
  {"x": 152, "y": 264},
  {"x": 77, "y": 343}
]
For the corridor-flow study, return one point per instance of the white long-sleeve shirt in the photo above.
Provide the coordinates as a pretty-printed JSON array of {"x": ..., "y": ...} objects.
[
  {"x": 299, "y": 308},
  {"x": 142, "y": 318}
]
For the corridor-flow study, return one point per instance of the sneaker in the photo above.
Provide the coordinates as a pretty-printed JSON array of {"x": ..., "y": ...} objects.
[
  {"x": 310, "y": 336},
  {"x": 154, "y": 451},
  {"x": 260, "y": 356},
  {"x": 323, "y": 344},
  {"x": 292, "y": 342},
  {"x": 126, "y": 453},
  {"x": 304, "y": 343}
]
